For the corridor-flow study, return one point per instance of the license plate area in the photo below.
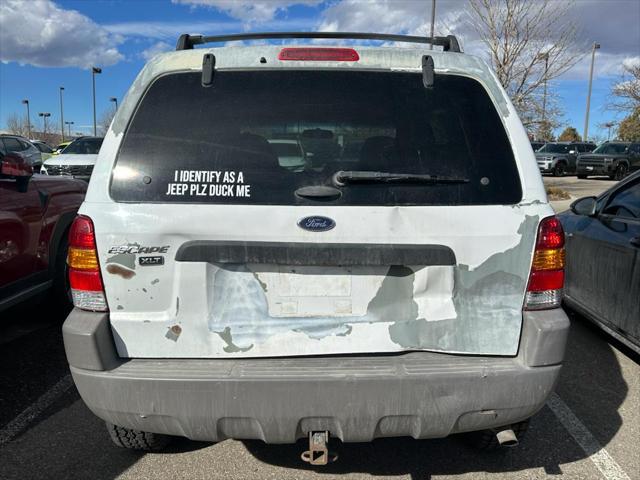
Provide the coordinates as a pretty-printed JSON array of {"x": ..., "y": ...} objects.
[{"x": 312, "y": 291}]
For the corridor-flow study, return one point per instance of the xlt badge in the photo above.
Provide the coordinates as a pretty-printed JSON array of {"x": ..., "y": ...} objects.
[{"x": 148, "y": 261}]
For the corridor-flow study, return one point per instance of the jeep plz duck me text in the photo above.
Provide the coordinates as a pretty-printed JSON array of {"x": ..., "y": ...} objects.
[{"x": 404, "y": 279}]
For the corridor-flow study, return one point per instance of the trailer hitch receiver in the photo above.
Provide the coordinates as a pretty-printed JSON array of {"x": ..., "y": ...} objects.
[{"x": 318, "y": 453}]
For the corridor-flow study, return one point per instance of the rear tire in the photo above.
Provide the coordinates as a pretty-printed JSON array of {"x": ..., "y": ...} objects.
[
  {"x": 559, "y": 170},
  {"x": 619, "y": 173},
  {"x": 137, "y": 439},
  {"x": 486, "y": 441},
  {"x": 61, "y": 290}
]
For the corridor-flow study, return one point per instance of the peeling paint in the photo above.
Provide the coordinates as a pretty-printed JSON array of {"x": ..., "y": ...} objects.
[
  {"x": 116, "y": 269},
  {"x": 231, "y": 347},
  {"x": 485, "y": 313},
  {"x": 122, "y": 264},
  {"x": 174, "y": 332},
  {"x": 262, "y": 284},
  {"x": 125, "y": 259},
  {"x": 486, "y": 298}
]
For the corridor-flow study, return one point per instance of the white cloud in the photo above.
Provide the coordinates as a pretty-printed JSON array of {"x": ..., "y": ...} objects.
[
  {"x": 606, "y": 65},
  {"x": 613, "y": 23},
  {"x": 631, "y": 62},
  {"x": 257, "y": 11},
  {"x": 155, "y": 49},
  {"x": 170, "y": 31},
  {"x": 38, "y": 32}
]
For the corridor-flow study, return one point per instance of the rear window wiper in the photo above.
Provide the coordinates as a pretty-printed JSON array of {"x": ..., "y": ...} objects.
[{"x": 345, "y": 177}]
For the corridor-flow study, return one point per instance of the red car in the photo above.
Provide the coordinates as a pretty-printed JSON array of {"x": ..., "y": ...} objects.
[{"x": 35, "y": 214}]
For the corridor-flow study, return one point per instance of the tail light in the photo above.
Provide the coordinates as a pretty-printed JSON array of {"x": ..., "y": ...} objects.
[
  {"x": 87, "y": 288},
  {"x": 316, "y": 54},
  {"x": 547, "y": 268}
]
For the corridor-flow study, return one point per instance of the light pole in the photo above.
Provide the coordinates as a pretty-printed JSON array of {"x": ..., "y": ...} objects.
[
  {"x": 114, "y": 100},
  {"x": 45, "y": 115},
  {"x": 61, "y": 114},
  {"x": 68, "y": 124},
  {"x": 433, "y": 21},
  {"x": 596, "y": 46},
  {"x": 94, "y": 71},
  {"x": 26, "y": 102},
  {"x": 545, "y": 57},
  {"x": 609, "y": 125}
]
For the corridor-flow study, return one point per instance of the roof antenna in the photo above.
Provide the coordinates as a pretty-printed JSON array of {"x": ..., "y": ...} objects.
[
  {"x": 208, "y": 69},
  {"x": 428, "y": 75}
]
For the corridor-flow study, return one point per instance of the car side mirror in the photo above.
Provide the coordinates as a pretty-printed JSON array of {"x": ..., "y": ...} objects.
[
  {"x": 13, "y": 166},
  {"x": 584, "y": 206}
]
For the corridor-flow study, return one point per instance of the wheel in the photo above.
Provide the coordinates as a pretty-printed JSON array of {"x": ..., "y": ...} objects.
[
  {"x": 137, "y": 439},
  {"x": 582, "y": 177},
  {"x": 61, "y": 290},
  {"x": 559, "y": 169},
  {"x": 620, "y": 172},
  {"x": 485, "y": 440}
]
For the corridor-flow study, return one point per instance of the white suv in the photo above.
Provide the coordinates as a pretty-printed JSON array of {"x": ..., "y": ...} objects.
[{"x": 411, "y": 290}]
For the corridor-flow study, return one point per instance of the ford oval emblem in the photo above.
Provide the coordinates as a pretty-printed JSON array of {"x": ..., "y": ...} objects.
[{"x": 316, "y": 224}]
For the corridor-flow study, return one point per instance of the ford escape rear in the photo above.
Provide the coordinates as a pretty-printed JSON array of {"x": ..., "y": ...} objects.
[{"x": 403, "y": 279}]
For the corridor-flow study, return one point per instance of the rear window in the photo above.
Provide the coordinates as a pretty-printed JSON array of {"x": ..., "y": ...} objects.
[
  {"x": 43, "y": 147},
  {"x": 612, "y": 148},
  {"x": 187, "y": 143},
  {"x": 85, "y": 146},
  {"x": 13, "y": 144}
]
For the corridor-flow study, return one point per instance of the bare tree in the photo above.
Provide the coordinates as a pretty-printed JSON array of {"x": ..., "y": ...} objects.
[
  {"x": 530, "y": 43},
  {"x": 105, "y": 121},
  {"x": 17, "y": 125},
  {"x": 626, "y": 92}
]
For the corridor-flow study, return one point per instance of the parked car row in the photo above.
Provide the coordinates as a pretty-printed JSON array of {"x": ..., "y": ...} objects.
[
  {"x": 74, "y": 158},
  {"x": 584, "y": 159}
]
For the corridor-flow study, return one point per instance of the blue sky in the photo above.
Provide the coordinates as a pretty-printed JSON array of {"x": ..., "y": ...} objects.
[{"x": 45, "y": 44}]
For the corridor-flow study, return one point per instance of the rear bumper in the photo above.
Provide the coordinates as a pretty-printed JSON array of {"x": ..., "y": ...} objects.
[{"x": 356, "y": 398}]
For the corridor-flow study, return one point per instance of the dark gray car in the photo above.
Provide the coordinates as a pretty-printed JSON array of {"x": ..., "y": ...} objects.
[
  {"x": 23, "y": 147},
  {"x": 559, "y": 158},
  {"x": 614, "y": 159},
  {"x": 603, "y": 259}
]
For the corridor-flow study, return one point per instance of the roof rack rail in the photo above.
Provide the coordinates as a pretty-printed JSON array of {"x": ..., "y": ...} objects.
[{"x": 187, "y": 42}]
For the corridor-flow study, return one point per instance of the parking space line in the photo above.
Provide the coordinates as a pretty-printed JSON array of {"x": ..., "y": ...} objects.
[
  {"x": 15, "y": 426},
  {"x": 581, "y": 434}
]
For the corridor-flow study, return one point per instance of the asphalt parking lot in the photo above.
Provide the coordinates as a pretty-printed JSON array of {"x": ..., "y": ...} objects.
[
  {"x": 577, "y": 188},
  {"x": 590, "y": 427}
]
